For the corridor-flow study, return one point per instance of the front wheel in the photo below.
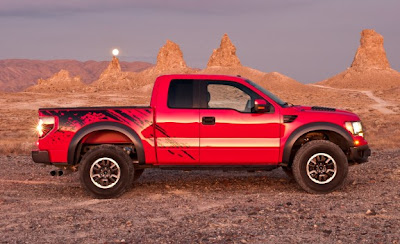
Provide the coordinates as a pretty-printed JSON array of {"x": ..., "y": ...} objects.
[
  {"x": 320, "y": 167},
  {"x": 106, "y": 171}
]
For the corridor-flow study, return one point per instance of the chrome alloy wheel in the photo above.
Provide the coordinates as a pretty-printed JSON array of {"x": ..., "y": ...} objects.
[
  {"x": 105, "y": 173},
  {"x": 321, "y": 168}
]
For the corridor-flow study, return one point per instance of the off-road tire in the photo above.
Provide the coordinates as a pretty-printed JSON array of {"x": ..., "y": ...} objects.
[
  {"x": 124, "y": 163},
  {"x": 306, "y": 152}
]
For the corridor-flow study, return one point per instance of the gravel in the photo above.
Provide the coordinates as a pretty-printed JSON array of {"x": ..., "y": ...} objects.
[{"x": 201, "y": 207}]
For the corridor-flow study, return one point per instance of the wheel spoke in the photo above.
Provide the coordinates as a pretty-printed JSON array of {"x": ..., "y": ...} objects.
[
  {"x": 96, "y": 176},
  {"x": 321, "y": 168},
  {"x": 313, "y": 172},
  {"x": 105, "y": 173}
]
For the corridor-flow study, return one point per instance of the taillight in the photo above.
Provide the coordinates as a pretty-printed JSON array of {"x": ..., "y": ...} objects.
[{"x": 45, "y": 125}]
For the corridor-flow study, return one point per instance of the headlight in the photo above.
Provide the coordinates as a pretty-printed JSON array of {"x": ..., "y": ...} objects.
[{"x": 355, "y": 128}]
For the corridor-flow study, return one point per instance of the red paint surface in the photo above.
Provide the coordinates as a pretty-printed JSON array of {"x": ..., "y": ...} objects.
[{"x": 177, "y": 136}]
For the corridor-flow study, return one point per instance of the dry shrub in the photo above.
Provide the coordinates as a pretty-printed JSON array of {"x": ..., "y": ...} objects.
[{"x": 15, "y": 148}]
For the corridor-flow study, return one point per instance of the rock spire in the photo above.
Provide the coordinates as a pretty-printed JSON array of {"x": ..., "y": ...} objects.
[
  {"x": 370, "y": 53},
  {"x": 170, "y": 57},
  {"x": 225, "y": 55}
]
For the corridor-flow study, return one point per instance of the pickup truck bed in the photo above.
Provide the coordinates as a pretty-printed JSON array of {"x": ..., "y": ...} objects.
[{"x": 62, "y": 143}]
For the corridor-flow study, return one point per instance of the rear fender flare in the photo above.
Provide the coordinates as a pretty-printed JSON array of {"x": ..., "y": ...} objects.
[
  {"x": 113, "y": 126},
  {"x": 317, "y": 126}
]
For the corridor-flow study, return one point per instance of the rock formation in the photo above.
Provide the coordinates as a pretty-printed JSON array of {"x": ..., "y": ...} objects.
[
  {"x": 113, "y": 70},
  {"x": 225, "y": 55},
  {"x": 370, "y": 53},
  {"x": 59, "y": 82},
  {"x": 370, "y": 69},
  {"x": 169, "y": 60},
  {"x": 170, "y": 57},
  {"x": 113, "y": 78}
]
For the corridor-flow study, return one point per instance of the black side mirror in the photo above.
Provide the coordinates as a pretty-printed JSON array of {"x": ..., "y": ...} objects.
[{"x": 261, "y": 106}]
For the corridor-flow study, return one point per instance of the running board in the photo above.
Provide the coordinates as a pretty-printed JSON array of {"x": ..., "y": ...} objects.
[{"x": 220, "y": 167}]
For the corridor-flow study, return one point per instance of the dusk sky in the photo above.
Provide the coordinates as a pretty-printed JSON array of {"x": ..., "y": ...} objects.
[{"x": 308, "y": 40}]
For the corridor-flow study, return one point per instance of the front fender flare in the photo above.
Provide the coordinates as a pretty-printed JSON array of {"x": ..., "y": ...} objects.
[
  {"x": 317, "y": 126},
  {"x": 113, "y": 126}
]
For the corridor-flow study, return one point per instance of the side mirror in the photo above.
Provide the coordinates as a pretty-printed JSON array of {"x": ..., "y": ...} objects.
[{"x": 261, "y": 106}]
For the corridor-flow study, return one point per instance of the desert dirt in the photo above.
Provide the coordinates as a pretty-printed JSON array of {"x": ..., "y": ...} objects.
[
  {"x": 201, "y": 207},
  {"x": 379, "y": 104}
]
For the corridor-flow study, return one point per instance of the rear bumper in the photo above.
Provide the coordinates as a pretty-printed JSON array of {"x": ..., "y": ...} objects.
[
  {"x": 359, "y": 154},
  {"x": 41, "y": 157}
]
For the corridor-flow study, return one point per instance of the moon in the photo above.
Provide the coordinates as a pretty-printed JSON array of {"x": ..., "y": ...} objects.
[{"x": 115, "y": 52}]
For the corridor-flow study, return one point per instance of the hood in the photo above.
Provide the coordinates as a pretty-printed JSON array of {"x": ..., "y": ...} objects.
[
  {"x": 320, "y": 109},
  {"x": 323, "y": 112}
]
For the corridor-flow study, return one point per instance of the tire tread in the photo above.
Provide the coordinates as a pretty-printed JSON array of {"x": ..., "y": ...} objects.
[{"x": 313, "y": 145}]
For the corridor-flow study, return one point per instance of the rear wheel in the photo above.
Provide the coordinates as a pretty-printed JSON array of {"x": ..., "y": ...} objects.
[
  {"x": 320, "y": 166},
  {"x": 106, "y": 171}
]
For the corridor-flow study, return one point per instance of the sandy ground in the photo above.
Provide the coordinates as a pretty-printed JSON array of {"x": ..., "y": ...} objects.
[
  {"x": 201, "y": 207},
  {"x": 380, "y": 105}
]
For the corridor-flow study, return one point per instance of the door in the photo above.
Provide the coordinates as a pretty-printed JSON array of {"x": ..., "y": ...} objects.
[
  {"x": 177, "y": 123},
  {"x": 231, "y": 132}
]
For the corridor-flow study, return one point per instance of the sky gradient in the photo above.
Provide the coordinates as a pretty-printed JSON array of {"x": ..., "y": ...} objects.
[{"x": 308, "y": 40}]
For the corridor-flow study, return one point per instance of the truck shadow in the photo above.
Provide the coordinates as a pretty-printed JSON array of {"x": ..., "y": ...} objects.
[{"x": 214, "y": 181}]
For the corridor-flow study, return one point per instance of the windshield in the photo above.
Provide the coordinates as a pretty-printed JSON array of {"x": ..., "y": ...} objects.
[{"x": 267, "y": 93}]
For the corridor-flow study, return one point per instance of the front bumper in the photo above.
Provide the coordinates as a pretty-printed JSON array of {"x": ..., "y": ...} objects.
[
  {"x": 359, "y": 154},
  {"x": 41, "y": 157}
]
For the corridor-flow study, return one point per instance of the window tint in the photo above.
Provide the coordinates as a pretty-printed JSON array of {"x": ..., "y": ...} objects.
[
  {"x": 220, "y": 95},
  {"x": 180, "y": 94}
]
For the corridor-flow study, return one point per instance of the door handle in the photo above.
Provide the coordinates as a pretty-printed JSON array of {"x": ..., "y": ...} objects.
[{"x": 208, "y": 120}]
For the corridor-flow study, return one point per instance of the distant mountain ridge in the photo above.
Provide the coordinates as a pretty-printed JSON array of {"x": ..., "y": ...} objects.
[
  {"x": 18, "y": 74},
  {"x": 370, "y": 70}
]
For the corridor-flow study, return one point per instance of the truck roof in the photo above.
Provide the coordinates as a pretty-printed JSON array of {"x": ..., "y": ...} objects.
[{"x": 202, "y": 77}]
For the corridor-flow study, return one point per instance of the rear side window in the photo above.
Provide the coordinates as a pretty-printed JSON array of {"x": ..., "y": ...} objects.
[{"x": 181, "y": 94}]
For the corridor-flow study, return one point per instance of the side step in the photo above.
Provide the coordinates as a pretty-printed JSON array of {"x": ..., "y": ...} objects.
[{"x": 220, "y": 167}]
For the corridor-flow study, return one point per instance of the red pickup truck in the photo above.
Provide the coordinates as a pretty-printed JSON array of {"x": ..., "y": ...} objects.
[{"x": 202, "y": 122}]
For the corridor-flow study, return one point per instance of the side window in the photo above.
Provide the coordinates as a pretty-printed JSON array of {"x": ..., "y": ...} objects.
[
  {"x": 180, "y": 94},
  {"x": 225, "y": 95}
]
